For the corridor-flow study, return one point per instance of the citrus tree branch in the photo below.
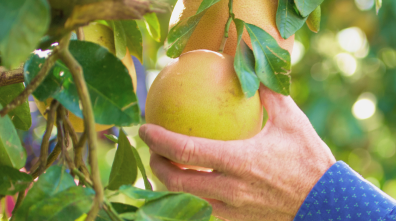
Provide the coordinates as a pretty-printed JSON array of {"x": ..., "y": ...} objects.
[
  {"x": 45, "y": 142},
  {"x": 21, "y": 197},
  {"x": 61, "y": 136},
  {"x": 33, "y": 84},
  {"x": 227, "y": 26},
  {"x": 14, "y": 76},
  {"x": 89, "y": 121},
  {"x": 107, "y": 205},
  {"x": 80, "y": 34}
]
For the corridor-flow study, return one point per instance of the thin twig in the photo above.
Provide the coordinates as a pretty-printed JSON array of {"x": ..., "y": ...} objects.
[
  {"x": 61, "y": 136},
  {"x": 45, "y": 141},
  {"x": 107, "y": 205},
  {"x": 89, "y": 122},
  {"x": 78, "y": 146},
  {"x": 14, "y": 76},
  {"x": 33, "y": 84},
  {"x": 54, "y": 155},
  {"x": 21, "y": 197},
  {"x": 70, "y": 129},
  {"x": 227, "y": 26}
]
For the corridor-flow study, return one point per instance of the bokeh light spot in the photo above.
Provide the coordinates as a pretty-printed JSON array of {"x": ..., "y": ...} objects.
[
  {"x": 364, "y": 107},
  {"x": 364, "y": 5},
  {"x": 140, "y": 184},
  {"x": 298, "y": 52},
  {"x": 346, "y": 63},
  {"x": 390, "y": 188},
  {"x": 150, "y": 77},
  {"x": 388, "y": 55},
  {"x": 386, "y": 148},
  {"x": 352, "y": 39},
  {"x": 374, "y": 181}
]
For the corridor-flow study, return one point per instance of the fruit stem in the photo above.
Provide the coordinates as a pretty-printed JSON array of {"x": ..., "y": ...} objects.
[
  {"x": 89, "y": 121},
  {"x": 21, "y": 98},
  {"x": 227, "y": 26}
]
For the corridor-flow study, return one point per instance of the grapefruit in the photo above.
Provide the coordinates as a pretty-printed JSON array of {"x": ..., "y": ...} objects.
[
  {"x": 210, "y": 30},
  {"x": 199, "y": 94},
  {"x": 102, "y": 35}
]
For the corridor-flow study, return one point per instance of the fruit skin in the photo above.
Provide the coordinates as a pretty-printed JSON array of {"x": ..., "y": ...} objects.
[
  {"x": 210, "y": 30},
  {"x": 102, "y": 35},
  {"x": 199, "y": 94},
  {"x": 313, "y": 20}
]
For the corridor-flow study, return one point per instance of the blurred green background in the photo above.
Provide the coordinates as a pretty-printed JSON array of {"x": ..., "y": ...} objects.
[{"x": 343, "y": 78}]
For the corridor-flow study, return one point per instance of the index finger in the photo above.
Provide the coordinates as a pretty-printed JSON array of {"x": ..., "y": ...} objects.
[{"x": 219, "y": 155}]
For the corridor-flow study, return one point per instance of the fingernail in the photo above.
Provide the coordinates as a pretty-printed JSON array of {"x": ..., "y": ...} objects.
[{"x": 142, "y": 132}]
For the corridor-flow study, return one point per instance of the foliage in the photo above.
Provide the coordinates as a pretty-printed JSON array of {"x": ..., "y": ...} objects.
[
  {"x": 320, "y": 87},
  {"x": 20, "y": 116}
]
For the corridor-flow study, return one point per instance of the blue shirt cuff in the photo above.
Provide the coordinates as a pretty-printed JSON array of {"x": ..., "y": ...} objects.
[{"x": 342, "y": 194}]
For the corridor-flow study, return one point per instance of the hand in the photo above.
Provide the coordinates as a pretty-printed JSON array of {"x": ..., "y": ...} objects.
[{"x": 266, "y": 177}]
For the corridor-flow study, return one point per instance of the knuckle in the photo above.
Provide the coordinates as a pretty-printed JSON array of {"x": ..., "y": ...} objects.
[
  {"x": 174, "y": 184},
  {"x": 234, "y": 196},
  {"x": 186, "y": 152}
]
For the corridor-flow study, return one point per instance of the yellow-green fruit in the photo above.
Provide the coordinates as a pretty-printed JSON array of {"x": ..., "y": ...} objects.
[
  {"x": 313, "y": 20},
  {"x": 102, "y": 35},
  {"x": 210, "y": 30},
  {"x": 199, "y": 94}
]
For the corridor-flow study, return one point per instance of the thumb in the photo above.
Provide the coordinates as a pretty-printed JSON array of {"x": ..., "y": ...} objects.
[{"x": 278, "y": 106}]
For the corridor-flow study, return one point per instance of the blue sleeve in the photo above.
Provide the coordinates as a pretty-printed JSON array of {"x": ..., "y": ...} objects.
[{"x": 342, "y": 194}]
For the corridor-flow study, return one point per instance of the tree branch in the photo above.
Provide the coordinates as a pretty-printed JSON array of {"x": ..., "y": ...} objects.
[
  {"x": 33, "y": 84},
  {"x": 107, "y": 205},
  {"x": 46, "y": 137},
  {"x": 80, "y": 34},
  {"x": 11, "y": 77},
  {"x": 61, "y": 136},
  {"x": 89, "y": 121}
]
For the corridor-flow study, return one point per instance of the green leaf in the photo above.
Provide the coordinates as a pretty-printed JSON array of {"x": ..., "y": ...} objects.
[
  {"x": 11, "y": 151},
  {"x": 244, "y": 63},
  {"x": 178, "y": 35},
  {"x": 63, "y": 206},
  {"x": 123, "y": 208},
  {"x": 53, "y": 181},
  {"x": 188, "y": 207},
  {"x": 124, "y": 169},
  {"x": 272, "y": 62},
  {"x": 128, "y": 216},
  {"x": 139, "y": 163},
  {"x": 120, "y": 208},
  {"x": 127, "y": 34},
  {"x": 102, "y": 216},
  {"x": 13, "y": 181},
  {"x": 136, "y": 193},
  {"x": 153, "y": 26},
  {"x": 112, "y": 137},
  {"x": 305, "y": 7},
  {"x": 22, "y": 24},
  {"x": 145, "y": 217},
  {"x": 109, "y": 84},
  {"x": 313, "y": 21},
  {"x": 288, "y": 20},
  {"x": 378, "y": 5},
  {"x": 20, "y": 116}
]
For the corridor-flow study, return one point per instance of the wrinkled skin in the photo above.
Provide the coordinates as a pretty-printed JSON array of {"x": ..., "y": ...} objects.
[{"x": 266, "y": 177}]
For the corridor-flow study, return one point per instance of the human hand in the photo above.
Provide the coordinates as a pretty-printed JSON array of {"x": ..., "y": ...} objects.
[{"x": 266, "y": 177}]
